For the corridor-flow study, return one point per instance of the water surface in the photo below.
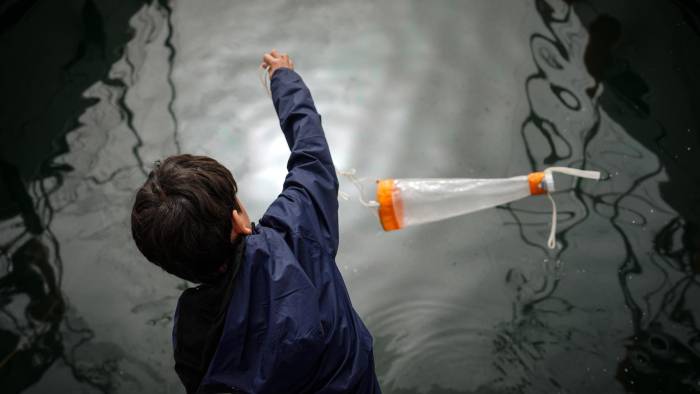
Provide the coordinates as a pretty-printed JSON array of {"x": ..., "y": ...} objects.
[{"x": 95, "y": 91}]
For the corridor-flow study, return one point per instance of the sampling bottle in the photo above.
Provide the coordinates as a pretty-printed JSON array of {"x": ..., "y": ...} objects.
[{"x": 410, "y": 201}]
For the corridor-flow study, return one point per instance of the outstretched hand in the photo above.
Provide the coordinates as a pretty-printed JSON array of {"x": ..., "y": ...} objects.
[{"x": 274, "y": 60}]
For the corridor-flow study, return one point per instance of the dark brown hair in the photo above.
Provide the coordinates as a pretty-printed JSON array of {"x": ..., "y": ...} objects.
[{"x": 181, "y": 219}]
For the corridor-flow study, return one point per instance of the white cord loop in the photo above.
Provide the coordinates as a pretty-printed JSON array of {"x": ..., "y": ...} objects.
[
  {"x": 595, "y": 175},
  {"x": 552, "y": 240},
  {"x": 264, "y": 76},
  {"x": 350, "y": 175}
]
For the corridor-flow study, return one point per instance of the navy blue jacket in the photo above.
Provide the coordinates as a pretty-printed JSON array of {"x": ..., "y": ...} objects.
[{"x": 289, "y": 326}]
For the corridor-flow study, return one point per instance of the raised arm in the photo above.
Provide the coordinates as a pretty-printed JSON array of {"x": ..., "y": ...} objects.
[{"x": 308, "y": 204}]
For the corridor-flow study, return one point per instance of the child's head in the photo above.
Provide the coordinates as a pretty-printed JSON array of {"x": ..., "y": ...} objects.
[{"x": 186, "y": 217}]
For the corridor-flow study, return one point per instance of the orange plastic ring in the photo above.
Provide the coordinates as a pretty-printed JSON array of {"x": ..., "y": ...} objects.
[
  {"x": 535, "y": 180},
  {"x": 390, "y": 205}
]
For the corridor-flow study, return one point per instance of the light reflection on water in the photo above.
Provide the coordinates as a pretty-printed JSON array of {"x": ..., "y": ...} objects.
[{"x": 482, "y": 88}]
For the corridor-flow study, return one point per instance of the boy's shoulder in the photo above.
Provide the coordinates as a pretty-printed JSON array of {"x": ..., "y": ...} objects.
[
  {"x": 271, "y": 246},
  {"x": 270, "y": 234},
  {"x": 284, "y": 258}
]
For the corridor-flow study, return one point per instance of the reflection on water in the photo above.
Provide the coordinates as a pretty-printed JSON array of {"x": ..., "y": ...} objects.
[
  {"x": 663, "y": 351},
  {"x": 658, "y": 270},
  {"x": 564, "y": 118},
  {"x": 475, "y": 304},
  {"x": 88, "y": 69}
]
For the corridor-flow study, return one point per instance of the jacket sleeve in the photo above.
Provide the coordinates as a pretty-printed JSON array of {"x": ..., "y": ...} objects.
[{"x": 308, "y": 204}]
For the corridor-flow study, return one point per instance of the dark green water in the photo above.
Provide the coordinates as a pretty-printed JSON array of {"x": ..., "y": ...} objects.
[{"x": 94, "y": 91}]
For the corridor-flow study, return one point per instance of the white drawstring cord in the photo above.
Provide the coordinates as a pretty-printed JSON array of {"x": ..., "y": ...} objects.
[
  {"x": 264, "y": 77},
  {"x": 595, "y": 175},
  {"x": 552, "y": 240},
  {"x": 350, "y": 175}
]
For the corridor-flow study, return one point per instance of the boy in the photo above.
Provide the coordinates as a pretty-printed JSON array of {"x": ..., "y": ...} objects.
[{"x": 271, "y": 313}]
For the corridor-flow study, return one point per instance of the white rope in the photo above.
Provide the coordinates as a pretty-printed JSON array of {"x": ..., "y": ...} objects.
[
  {"x": 350, "y": 175},
  {"x": 552, "y": 240},
  {"x": 264, "y": 76},
  {"x": 575, "y": 172}
]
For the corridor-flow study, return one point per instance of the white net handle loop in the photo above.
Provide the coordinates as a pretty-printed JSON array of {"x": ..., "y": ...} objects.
[
  {"x": 595, "y": 175},
  {"x": 350, "y": 175},
  {"x": 575, "y": 172},
  {"x": 264, "y": 76}
]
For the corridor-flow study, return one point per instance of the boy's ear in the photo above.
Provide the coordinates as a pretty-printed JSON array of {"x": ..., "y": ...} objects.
[{"x": 240, "y": 225}]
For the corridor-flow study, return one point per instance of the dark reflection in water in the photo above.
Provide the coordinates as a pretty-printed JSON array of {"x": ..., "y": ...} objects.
[
  {"x": 564, "y": 118},
  {"x": 663, "y": 350},
  {"x": 663, "y": 354},
  {"x": 25, "y": 359},
  {"x": 52, "y": 53}
]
